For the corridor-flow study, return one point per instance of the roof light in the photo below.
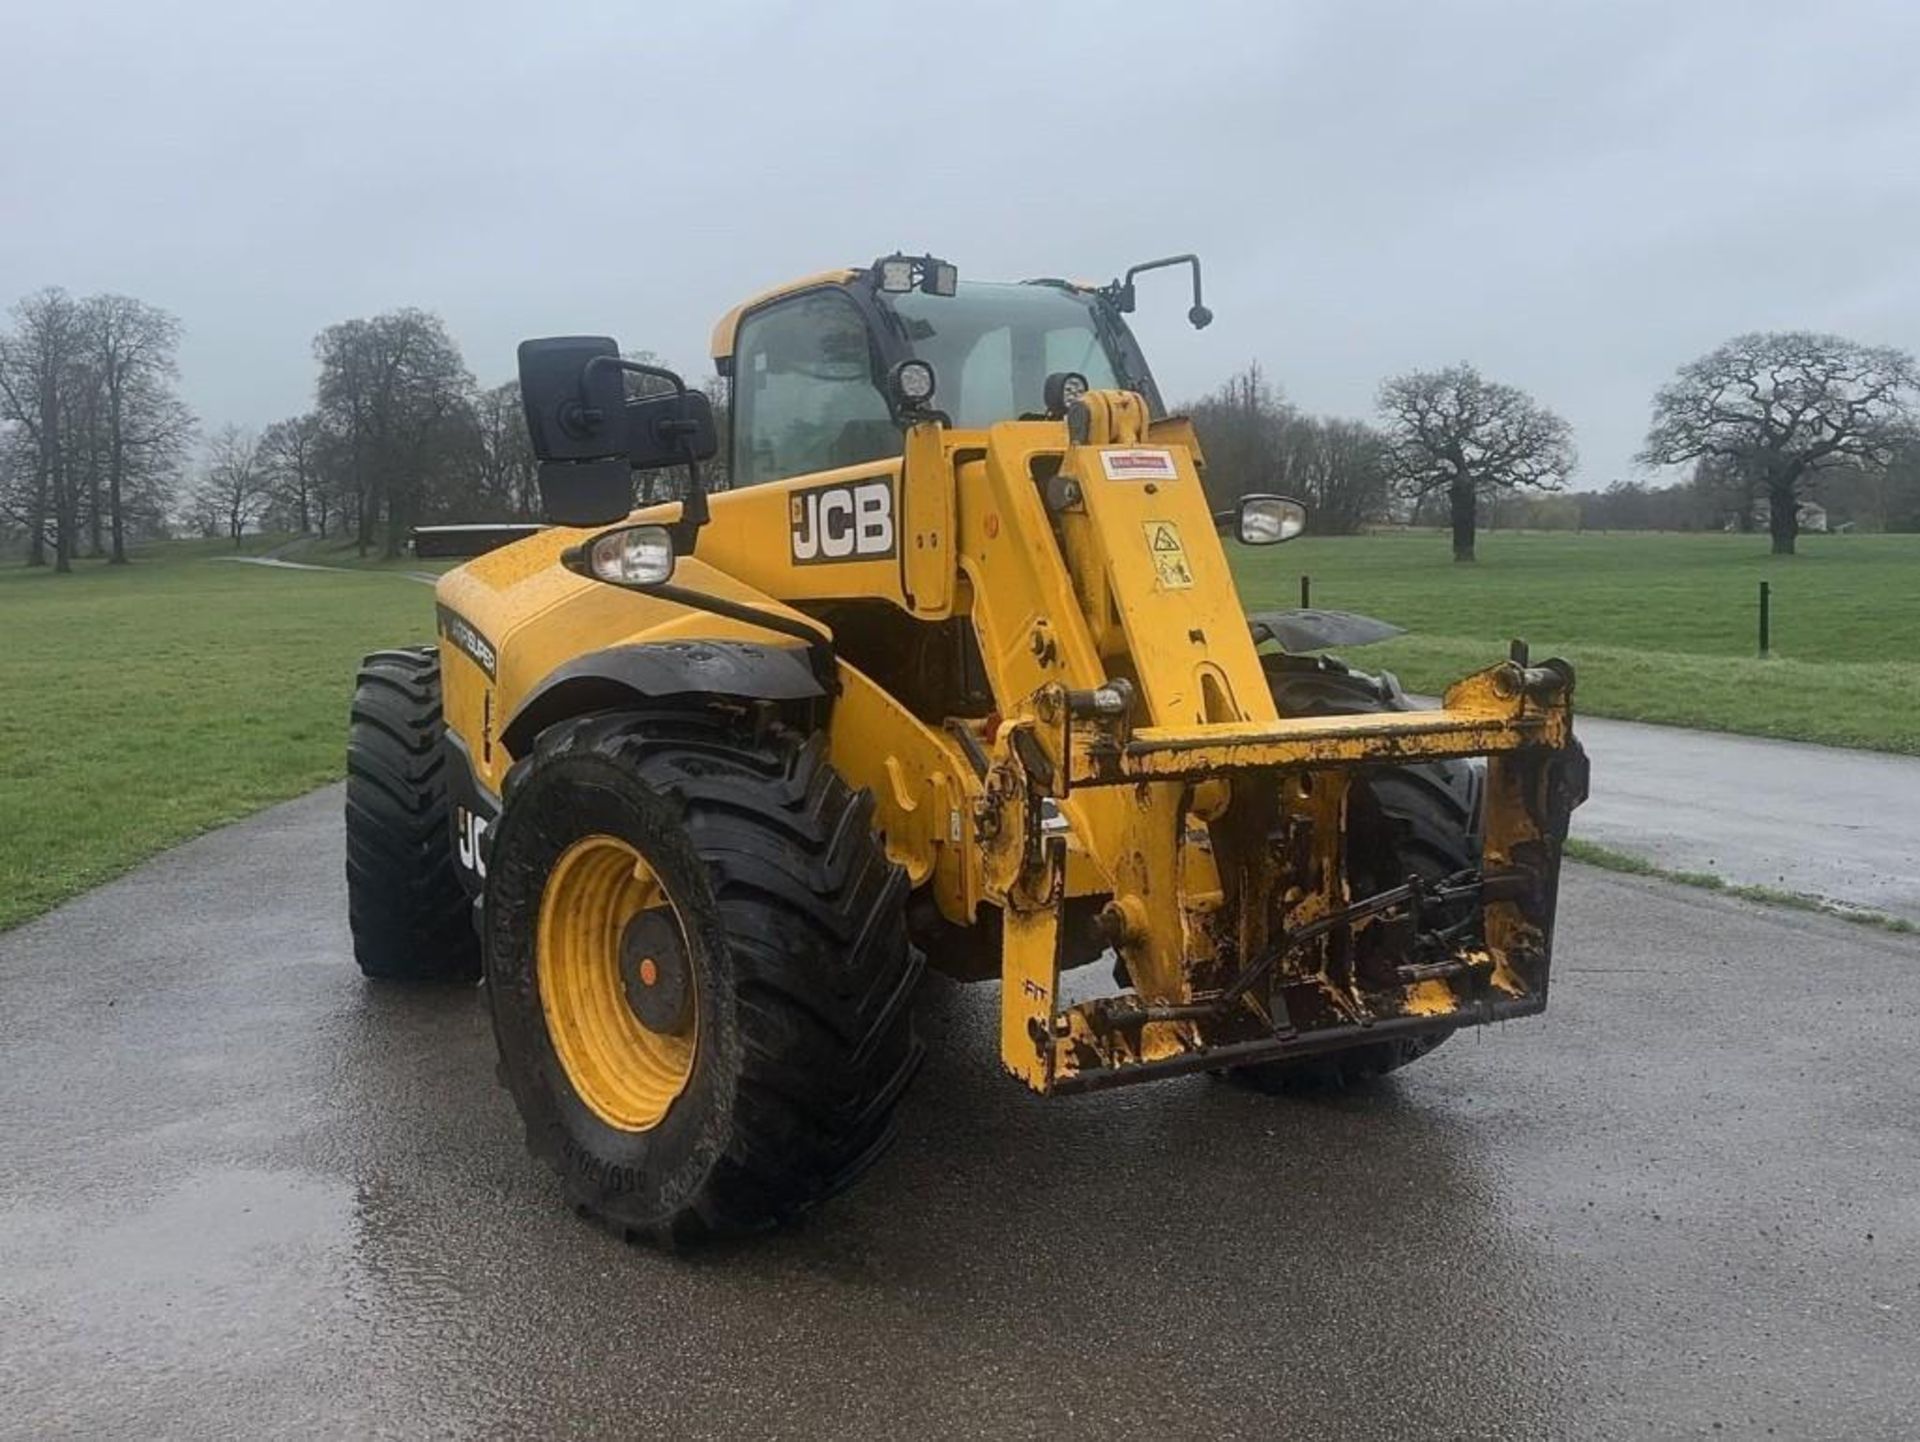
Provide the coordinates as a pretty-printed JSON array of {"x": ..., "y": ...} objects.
[{"x": 896, "y": 274}]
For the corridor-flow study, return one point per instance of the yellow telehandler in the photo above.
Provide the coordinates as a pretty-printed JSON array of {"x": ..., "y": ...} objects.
[{"x": 952, "y": 672}]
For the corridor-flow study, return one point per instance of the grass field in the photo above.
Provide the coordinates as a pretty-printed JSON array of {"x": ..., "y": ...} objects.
[
  {"x": 1659, "y": 627},
  {"x": 149, "y": 703}
]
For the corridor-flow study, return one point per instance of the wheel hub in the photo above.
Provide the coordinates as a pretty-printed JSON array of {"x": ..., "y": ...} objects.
[{"x": 653, "y": 971}]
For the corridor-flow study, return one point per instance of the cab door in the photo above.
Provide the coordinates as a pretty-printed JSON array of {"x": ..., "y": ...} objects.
[{"x": 814, "y": 510}]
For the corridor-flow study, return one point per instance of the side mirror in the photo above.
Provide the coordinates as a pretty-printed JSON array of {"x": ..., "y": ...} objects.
[
  {"x": 575, "y": 411},
  {"x": 670, "y": 430},
  {"x": 590, "y": 438},
  {"x": 1267, "y": 520},
  {"x": 577, "y": 421}
]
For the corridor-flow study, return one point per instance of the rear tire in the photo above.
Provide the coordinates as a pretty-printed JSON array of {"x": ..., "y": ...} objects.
[
  {"x": 1421, "y": 819},
  {"x": 411, "y": 918},
  {"x": 792, "y": 943}
]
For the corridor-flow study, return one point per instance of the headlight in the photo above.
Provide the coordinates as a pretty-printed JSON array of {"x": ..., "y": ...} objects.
[{"x": 631, "y": 556}]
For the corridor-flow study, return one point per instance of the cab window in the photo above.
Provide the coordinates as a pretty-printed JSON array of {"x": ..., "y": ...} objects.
[
  {"x": 804, "y": 397},
  {"x": 992, "y": 346}
]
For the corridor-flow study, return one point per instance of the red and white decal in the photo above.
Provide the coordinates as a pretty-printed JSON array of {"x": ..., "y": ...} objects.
[{"x": 1139, "y": 465}]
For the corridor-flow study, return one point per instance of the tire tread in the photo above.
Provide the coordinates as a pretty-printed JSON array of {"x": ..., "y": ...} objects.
[{"x": 410, "y": 916}]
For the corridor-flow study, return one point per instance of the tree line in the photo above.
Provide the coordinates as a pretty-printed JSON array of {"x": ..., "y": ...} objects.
[
  {"x": 1769, "y": 422},
  {"x": 400, "y": 434},
  {"x": 97, "y": 449}
]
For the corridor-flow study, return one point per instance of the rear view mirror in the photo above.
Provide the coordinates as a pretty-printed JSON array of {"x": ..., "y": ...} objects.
[
  {"x": 1268, "y": 520},
  {"x": 576, "y": 411}
]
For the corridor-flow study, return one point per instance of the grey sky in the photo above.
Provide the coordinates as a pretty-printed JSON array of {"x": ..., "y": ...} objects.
[{"x": 1577, "y": 198}]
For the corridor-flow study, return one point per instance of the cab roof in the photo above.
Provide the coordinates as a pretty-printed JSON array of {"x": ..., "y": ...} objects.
[
  {"x": 729, "y": 327},
  {"x": 728, "y": 330}
]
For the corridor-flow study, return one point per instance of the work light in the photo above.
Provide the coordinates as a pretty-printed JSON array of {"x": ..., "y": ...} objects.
[
  {"x": 913, "y": 383},
  {"x": 1061, "y": 390},
  {"x": 896, "y": 275}
]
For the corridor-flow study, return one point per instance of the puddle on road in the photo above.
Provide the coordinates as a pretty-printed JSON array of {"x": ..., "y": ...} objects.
[{"x": 238, "y": 1287}]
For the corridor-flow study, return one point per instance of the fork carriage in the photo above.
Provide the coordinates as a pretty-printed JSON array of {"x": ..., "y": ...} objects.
[{"x": 1280, "y": 957}]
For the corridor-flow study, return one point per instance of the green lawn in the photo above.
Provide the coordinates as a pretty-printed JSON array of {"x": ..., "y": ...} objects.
[
  {"x": 145, "y": 704},
  {"x": 1659, "y": 627}
]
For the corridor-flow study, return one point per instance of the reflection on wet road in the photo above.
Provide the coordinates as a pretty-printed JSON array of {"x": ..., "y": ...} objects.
[{"x": 248, "y": 1194}]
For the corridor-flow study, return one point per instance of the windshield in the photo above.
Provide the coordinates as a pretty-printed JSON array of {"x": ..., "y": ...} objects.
[{"x": 992, "y": 346}]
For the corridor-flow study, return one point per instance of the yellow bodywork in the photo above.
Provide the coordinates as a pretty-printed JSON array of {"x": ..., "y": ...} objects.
[{"x": 1211, "y": 826}]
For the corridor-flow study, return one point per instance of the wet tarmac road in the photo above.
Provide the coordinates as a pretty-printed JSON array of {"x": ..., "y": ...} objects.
[
  {"x": 1840, "y": 824},
  {"x": 245, "y": 1194}
]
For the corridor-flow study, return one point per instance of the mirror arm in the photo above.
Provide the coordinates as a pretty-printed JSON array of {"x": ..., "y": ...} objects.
[{"x": 1121, "y": 292}]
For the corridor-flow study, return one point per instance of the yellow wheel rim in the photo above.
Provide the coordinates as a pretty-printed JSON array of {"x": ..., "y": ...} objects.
[{"x": 627, "y": 1072}]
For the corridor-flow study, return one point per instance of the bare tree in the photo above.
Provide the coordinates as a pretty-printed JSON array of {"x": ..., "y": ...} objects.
[
  {"x": 88, "y": 389},
  {"x": 144, "y": 426},
  {"x": 509, "y": 473},
  {"x": 1340, "y": 468},
  {"x": 1903, "y": 488},
  {"x": 1240, "y": 426},
  {"x": 1782, "y": 406},
  {"x": 235, "y": 484},
  {"x": 396, "y": 392},
  {"x": 17, "y": 467},
  {"x": 40, "y": 380},
  {"x": 1449, "y": 431},
  {"x": 1731, "y": 489},
  {"x": 291, "y": 450}
]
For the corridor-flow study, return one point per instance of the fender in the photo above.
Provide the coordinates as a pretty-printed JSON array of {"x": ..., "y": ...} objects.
[
  {"x": 648, "y": 670},
  {"x": 1304, "y": 629}
]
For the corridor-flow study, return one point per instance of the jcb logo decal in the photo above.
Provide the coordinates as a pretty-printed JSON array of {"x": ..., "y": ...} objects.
[
  {"x": 851, "y": 521},
  {"x": 472, "y": 833}
]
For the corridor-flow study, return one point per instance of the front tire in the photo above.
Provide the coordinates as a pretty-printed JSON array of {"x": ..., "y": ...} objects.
[
  {"x": 411, "y": 918},
  {"x": 756, "y": 893}
]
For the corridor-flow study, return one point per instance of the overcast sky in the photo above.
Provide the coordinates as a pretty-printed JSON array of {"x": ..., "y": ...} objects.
[{"x": 1575, "y": 197}]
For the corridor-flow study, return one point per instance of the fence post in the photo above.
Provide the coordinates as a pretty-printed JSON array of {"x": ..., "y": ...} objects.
[
  {"x": 1766, "y": 619},
  {"x": 1306, "y": 592}
]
